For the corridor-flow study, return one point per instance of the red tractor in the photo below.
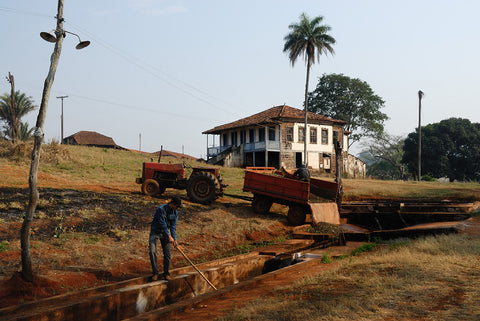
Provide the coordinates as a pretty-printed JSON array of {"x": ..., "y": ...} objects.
[{"x": 204, "y": 185}]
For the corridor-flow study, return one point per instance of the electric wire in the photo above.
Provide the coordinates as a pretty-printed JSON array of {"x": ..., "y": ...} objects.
[{"x": 139, "y": 64}]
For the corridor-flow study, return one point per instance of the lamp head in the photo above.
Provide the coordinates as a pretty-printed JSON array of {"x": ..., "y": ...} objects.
[
  {"x": 48, "y": 37},
  {"x": 82, "y": 44}
]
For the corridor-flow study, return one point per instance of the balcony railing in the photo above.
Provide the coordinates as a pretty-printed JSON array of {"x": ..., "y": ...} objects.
[{"x": 247, "y": 147}]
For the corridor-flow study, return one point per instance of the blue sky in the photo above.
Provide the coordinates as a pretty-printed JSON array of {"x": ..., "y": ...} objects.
[{"x": 169, "y": 70}]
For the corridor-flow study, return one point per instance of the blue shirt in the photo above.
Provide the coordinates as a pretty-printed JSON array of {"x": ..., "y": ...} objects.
[{"x": 165, "y": 221}]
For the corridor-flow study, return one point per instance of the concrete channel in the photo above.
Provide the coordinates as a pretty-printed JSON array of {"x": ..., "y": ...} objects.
[
  {"x": 131, "y": 298},
  {"x": 139, "y": 298}
]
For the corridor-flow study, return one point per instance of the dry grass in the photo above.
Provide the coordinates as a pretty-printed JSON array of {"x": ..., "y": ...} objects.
[{"x": 434, "y": 278}]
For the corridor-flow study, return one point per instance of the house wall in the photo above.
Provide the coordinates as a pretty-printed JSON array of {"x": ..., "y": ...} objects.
[{"x": 321, "y": 156}]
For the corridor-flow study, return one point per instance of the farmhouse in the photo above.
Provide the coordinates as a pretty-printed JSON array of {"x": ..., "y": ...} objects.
[{"x": 275, "y": 137}]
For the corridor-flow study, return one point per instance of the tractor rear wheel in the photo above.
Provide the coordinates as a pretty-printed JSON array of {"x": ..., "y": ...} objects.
[
  {"x": 261, "y": 204},
  {"x": 296, "y": 215},
  {"x": 203, "y": 187},
  {"x": 150, "y": 187}
]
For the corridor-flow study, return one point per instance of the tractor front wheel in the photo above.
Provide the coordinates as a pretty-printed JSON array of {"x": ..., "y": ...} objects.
[
  {"x": 203, "y": 187},
  {"x": 150, "y": 187}
]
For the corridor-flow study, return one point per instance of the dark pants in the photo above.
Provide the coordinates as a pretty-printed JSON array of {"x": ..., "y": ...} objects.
[{"x": 152, "y": 247}]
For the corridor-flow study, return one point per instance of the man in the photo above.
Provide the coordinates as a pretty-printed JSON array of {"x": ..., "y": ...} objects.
[
  {"x": 163, "y": 227},
  {"x": 302, "y": 173}
]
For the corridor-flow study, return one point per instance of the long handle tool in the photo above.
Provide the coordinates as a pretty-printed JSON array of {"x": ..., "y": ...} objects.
[{"x": 191, "y": 263}]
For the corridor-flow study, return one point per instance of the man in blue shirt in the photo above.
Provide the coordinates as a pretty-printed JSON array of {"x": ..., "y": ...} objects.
[{"x": 163, "y": 227}]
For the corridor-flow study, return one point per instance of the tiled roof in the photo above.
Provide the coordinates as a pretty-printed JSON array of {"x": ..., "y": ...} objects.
[
  {"x": 92, "y": 138},
  {"x": 275, "y": 115},
  {"x": 167, "y": 153}
]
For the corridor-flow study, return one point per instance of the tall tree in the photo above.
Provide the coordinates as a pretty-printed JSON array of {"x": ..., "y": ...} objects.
[
  {"x": 11, "y": 112},
  {"x": 310, "y": 39},
  {"x": 352, "y": 100},
  {"x": 449, "y": 148}
]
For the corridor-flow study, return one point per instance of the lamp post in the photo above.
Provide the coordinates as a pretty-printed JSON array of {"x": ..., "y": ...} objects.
[
  {"x": 420, "y": 95},
  {"x": 27, "y": 272},
  {"x": 61, "y": 116}
]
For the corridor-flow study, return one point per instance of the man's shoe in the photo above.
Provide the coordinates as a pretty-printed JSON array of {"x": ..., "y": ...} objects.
[
  {"x": 167, "y": 277},
  {"x": 154, "y": 277}
]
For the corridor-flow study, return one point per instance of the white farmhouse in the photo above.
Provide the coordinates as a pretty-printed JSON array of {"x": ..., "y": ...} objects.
[{"x": 275, "y": 138}]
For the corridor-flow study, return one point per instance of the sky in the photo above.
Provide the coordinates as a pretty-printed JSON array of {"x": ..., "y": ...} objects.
[{"x": 160, "y": 72}]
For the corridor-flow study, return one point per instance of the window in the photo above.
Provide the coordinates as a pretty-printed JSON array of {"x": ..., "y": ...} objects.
[
  {"x": 234, "y": 138},
  {"x": 313, "y": 135},
  {"x": 261, "y": 134},
  {"x": 289, "y": 133},
  {"x": 271, "y": 133},
  {"x": 325, "y": 136},
  {"x": 301, "y": 135},
  {"x": 251, "y": 135},
  {"x": 335, "y": 137},
  {"x": 243, "y": 137},
  {"x": 225, "y": 140}
]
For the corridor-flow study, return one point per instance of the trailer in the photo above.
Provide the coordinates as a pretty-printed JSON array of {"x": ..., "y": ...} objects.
[{"x": 316, "y": 197}]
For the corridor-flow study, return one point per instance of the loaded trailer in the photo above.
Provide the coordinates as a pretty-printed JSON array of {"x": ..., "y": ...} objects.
[{"x": 315, "y": 198}]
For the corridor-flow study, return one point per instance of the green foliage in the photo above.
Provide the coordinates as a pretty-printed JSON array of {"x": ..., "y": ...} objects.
[
  {"x": 11, "y": 111},
  {"x": 4, "y": 246},
  {"x": 450, "y": 149},
  {"x": 352, "y": 100},
  {"x": 367, "y": 247},
  {"x": 326, "y": 259},
  {"x": 309, "y": 39},
  {"x": 383, "y": 156}
]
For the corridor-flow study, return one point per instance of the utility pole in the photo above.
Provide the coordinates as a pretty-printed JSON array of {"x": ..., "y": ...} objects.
[
  {"x": 420, "y": 95},
  {"x": 61, "y": 117}
]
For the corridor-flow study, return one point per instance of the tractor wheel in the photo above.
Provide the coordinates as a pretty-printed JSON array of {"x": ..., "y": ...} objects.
[
  {"x": 221, "y": 182},
  {"x": 261, "y": 204},
  {"x": 203, "y": 187},
  {"x": 150, "y": 187},
  {"x": 296, "y": 215}
]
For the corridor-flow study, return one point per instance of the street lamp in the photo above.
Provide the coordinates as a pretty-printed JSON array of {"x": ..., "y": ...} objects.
[
  {"x": 420, "y": 95},
  {"x": 27, "y": 272},
  {"x": 48, "y": 36}
]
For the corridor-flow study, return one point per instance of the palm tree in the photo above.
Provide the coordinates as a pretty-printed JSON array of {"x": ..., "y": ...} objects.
[
  {"x": 26, "y": 132},
  {"x": 11, "y": 115},
  {"x": 308, "y": 38}
]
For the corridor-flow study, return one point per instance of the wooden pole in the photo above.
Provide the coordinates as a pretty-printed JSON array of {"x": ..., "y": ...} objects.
[
  {"x": 27, "y": 272},
  {"x": 191, "y": 263}
]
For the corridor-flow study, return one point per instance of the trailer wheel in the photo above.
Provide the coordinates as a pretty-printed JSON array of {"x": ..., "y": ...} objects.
[
  {"x": 203, "y": 187},
  {"x": 296, "y": 215},
  {"x": 261, "y": 204},
  {"x": 150, "y": 187}
]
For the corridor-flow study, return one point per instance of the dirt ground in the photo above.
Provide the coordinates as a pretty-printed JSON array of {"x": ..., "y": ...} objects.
[{"x": 87, "y": 235}]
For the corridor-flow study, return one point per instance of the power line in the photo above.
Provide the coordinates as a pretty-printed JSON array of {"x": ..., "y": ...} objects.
[{"x": 152, "y": 70}]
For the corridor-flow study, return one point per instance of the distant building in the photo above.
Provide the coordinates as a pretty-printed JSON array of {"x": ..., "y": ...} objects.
[
  {"x": 166, "y": 153},
  {"x": 275, "y": 138},
  {"x": 88, "y": 138}
]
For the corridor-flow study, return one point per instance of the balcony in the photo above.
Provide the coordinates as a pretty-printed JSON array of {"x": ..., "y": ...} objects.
[{"x": 247, "y": 147}]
